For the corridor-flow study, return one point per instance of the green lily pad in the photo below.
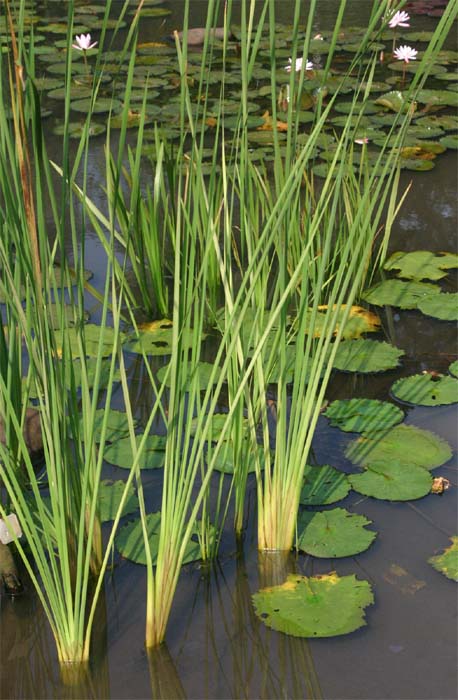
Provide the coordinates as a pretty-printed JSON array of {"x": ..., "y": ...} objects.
[
  {"x": 447, "y": 122},
  {"x": 453, "y": 368},
  {"x": 406, "y": 295},
  {"x": 443, "y": 306},
  {"x": 102, "y": 105},
  {"x": 392, "y": 481},
  {"x": 366, "y": 356},
  {"x": 154, "y": 338},
  {"x": 218, "y": 422},
  {"x": 130, "y": 543},
  {"x": 417, "y": 165},
  {"x": 323, "y": 485},
  {"x": 117, "y": 424},
  {"x": 405, "y": 444},
  {"x": 363, "y": 415},
  {"x": 359, "y": 321},
  {"x": 92, "y": 335},
  {"x": 110, "y": 494},
  {"x": 334, "y": 533},
  {"x": 438, "y": 97},
  {"x": 152, "y": 457},
  {"x": 450, "y": 141},
  {"x": 421, "y": 264},
  {"x": 76, "y": 92},
  {"x": 319, "y": 606},
  {"x": 75, "y": 130},
  {"x": 204, "y": 370},
  {"x": 447, "y": 562},
  {"x": 426, "y": 390},
  {"x": 394, "y": 100},
  {"x": 91, "y": 369}
]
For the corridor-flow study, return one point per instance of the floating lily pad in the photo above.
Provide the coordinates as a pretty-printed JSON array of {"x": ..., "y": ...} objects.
[
  {"x": 405, "y": 444},
  {"x": 406, "y": 295},
  {"x": 366, "y": 356},
  {"x": 152, "y": 457},
  {"x": 417, "y": 165},
  {"x": 204, "y": 370},
  {"x": 76, "y": 92},
  {"x": 110, "y": 494},
  {"x": 450, "y": 141},
  {"x": 334, "y": 533},
  {"x": 392, "y": 481},
  {"x": 426, "y": 390},
  {"x": 394, "y": 100},
  {"x": 102, "y": 105},
  {"x": 421, "y": 264},
  {"x": 363, "y": 415},
  {"x": 447, "y": 562},
  {"x": 154, "y": 338},
  {"x": 359, "y": 321},
  {"x": 92, "y": 334},
  {"x": 117, "y": 424},
  {"x": 453, "y": 368},
  {"x": 320, "y": 606},
  {"x": 91, "y": 369},
  {"x": 443, "y": 306},
  {"x": 75, "y": 130},
  {"x": 323, "y": 485},
  {"x": 130, "y": 543},
  {"x": 438, "y": 97}
]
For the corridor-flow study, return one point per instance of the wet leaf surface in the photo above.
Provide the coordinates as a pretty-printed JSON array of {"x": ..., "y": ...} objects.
[
  {"x": 447, "y": 562},
  {"x": 426, "y": 390},
  {"x": 392, "y": 481},
  {"x": 363, "y": 415},
  {"x": 366, "y": 356},
  {"x": 334, "y": 533},
  {"x": 323, "y": 485},
  {"x": 405, "y": 295}
]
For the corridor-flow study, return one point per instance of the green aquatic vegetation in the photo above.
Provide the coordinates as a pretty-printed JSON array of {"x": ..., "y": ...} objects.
[
  {"x": 404, "y": 444},
  {"x": 121, "y": 454},
  {"x": 443, "y": 306},
  {"x": 363, "y": 415},
  {"x": 365, "y": 355},
  {"x": 426, "y": 389},
  {"x": 447, "y": 562},
  {"x": 392, "y": 480},
  {"x": 333, "y": 533},
  {"x": 323, "y": 485},
  {"x": 421, "y": 264},
  {"x": 453, "y": 368},
  {"x": 111, "y": 494},
  {"x": 319, "y": 606},
  {"x": 405, "y": 295},
  {"x": 203, "y": 375}
]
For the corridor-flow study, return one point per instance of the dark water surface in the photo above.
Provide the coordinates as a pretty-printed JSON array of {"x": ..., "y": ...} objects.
[{"x": 215, "y": 646}]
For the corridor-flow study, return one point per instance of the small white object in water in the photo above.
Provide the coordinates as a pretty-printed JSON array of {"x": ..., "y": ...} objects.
[{"x": 8, "y": 535}]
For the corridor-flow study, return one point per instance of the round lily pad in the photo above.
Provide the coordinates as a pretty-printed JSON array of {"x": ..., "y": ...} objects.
[
  {"x": 450, "y": 141},
  {"x": 100, "y": 106},
  {"x": 443, "y": 306},
  {"x": 453, "y": 368},
  {"x": 152, "y": 457},
  {"x": 334, "y": 533},
  {"x": 426, "y": 390},
  {"x": 421, "y": 264},
  {"x": 406, "y": 295},
  {"x": 130, "y": 543},
  {"x": 110, "y": 494},
  {"x": 363, "y": 415},
  {"x": 447, "y": 562},
  {"x": 366, "y": 356},
  {"x": 92, "y": 335},
  {"x": 319, "y": 606},
  {"x": 392, "y": 481},
  {"x": 405, "y": 444},
  {"x": 323, "y": 485},
  {"x": 437, "y": 97},
  {"x": 155, "y": 338},
  {"x": 117, "y": 424}
]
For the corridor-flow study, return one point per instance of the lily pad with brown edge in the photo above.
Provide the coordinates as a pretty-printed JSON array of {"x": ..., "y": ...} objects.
[
  {"x": 392, "y": 481},
  {"x": 110, "y": 495},
  {"x": 421, "y": 264},
  {"x": 323, "y": 485},
  {"x": 359, "y": 321},
  {"x": 447, "y": 562},
  {"x": 333, "y": 533},
  {"x": 405, "y": 444},
  {"x": 153, "y": 338},
  {"x": 117, "y": 424},
  {"x": 94, "y": 337},
  {"x": 363, "y": 415},
  {"x": 453, "y": 368},
  {"x": 121, "y": 455},
  {"x": 426, "y": 390},
  {"x": 318, "y": 606},
  {"x": 405, "y": 295},
  {"x": 205, "y": 371},
  {"x": 131, "y": 545},
  {"x": 366, "y": 356},
  {"x": 443, "y": 306}
]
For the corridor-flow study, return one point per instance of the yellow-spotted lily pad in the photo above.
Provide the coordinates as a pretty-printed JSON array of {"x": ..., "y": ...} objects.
[{"x": 447, "y": 562}]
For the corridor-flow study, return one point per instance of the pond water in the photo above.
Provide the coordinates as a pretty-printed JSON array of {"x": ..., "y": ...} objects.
[{"x": 216, "y": 647}]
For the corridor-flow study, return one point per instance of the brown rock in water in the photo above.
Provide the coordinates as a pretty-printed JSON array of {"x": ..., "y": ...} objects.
[{"x": 32, "y": 431}]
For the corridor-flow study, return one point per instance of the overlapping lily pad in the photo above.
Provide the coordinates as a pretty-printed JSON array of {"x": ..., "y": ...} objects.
[
  {"x": 320, "y": 606},
  {"x": 366, "y": 356},
  {"x": 152, "y": 457},
  {"x": 359, "y": 321},
  {"x": 334, "y": 533},
  {"x": 392, "y": 480},
  {"x": 426, "y": 389},
  {"x": 130, "y": 543},
  {"x": 453, "y": 368},
  {"x": 93, "y": 337},
  {"x": 363, "y": 415},
  {"x": 443, "y": 306},
  {"x": 155, "y": 338},
  {"x": 117, "y": 426},
  {"x": 404, "y": 444},
  {"x": 421, "y": 264},
  {"x": 447, "y": 562},
  {"x": 323, "y": 485},
  {"x": 406, "y": 295},
  {"x": 110, "y": 495}
]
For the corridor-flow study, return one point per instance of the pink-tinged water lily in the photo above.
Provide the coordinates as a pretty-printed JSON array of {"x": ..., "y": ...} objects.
[
  {"x": 299, "y": 66},
  {"x": 362, "y": 140},
  {"x": 83, "y": 42},
  {"x": 399, "y": 19},
  {"x": 405, "y": 53}
]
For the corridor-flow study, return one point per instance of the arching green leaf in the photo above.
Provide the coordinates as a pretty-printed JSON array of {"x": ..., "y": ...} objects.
[{"x": 334, "y": 533}]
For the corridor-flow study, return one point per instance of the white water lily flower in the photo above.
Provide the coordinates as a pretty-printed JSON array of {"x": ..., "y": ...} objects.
[
  {"x": 399, "y": 19},
  {"x": 299, "y": 62},
  {"x": 405, "y": 53},
  {"x": 83, "y": 42}
]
